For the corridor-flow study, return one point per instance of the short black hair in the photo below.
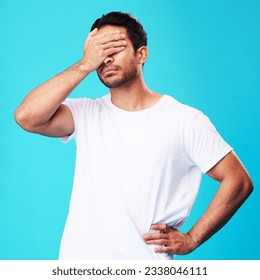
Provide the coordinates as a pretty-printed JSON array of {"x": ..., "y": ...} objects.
[{"x": 135, "y": 30}]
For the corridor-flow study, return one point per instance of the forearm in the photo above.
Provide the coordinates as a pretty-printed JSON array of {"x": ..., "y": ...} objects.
[
  {"x": 41, "y": 103},
  {"x": 226, "y": 202}
]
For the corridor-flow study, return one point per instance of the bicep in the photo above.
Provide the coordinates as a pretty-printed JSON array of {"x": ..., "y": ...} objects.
[
  {"x": 228, "y": 165},
  {"x": 61, "y": 124},
  {"x": 231, "y": 170}
]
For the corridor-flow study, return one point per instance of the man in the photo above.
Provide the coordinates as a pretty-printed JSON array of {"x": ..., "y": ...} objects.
[{"x": 140, "y": 154}]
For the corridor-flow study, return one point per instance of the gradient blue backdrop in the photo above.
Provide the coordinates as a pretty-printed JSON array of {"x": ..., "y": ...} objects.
[{"x": 204, "y": 53}]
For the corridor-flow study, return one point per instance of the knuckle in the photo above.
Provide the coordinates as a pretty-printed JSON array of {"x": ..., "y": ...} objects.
[
  {"x": 102, "y": 52},
  {"x": 161, "y": 242},
  {"x": 165, "y": 236}
]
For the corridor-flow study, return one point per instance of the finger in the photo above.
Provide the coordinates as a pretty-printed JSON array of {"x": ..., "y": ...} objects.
[
  {"x": 112, "y": 51},
  {"x": 162, "y": 227},
  {"x": 114, "y": 44},
  {"x": 154, "y": 236},
  {"x": 102, "y": 34},
  {"x": 109, "y": 37},
  {"x": 162, "y": 242},
  {"x": 94, "y": 32},
  {"x": 163, "y": 249}
]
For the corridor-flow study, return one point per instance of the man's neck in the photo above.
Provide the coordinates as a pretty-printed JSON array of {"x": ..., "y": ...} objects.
[{"x": 134, "y": 97}]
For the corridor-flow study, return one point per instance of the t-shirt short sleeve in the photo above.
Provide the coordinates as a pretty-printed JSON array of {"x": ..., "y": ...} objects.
[
  {"x": 76, "y": 107},
  {"x": 204, "y": 144}
]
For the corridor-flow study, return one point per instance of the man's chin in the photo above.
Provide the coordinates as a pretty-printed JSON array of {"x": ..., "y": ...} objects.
[
  {"x": 116, "y": 82},
  {"x": 112, "y": 84}
]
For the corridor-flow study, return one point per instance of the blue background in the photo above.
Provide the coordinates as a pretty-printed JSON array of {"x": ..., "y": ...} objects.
[{"x": 204, "y": 53}]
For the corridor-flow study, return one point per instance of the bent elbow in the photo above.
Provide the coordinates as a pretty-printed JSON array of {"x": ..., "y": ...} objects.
[
  {"x": 19, "y": 117},
  {"x": 248, "y": 186},
  {"x": 23, "y": 120},
  {"x": 245, "y": 187}
]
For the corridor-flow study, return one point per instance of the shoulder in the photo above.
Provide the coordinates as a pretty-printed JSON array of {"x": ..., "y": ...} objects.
[
  {"x": 82, "y": 104},
  {"x": 187, "y": 119},
  {"x": 77, "y": 102},
  {"x": 180, "y": 111},
  {"x": 179, "y": 106}
]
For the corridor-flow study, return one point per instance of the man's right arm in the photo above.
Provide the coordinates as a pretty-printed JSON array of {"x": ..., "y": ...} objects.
[{"x": 42, "y": 111}]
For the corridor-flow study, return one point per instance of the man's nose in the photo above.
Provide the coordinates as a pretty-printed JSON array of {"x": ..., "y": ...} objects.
[{"x": 108, "y": 60}]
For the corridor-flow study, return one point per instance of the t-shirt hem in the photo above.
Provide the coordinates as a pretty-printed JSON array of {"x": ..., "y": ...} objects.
[
  {"x": 66, "y": 139},
  {"x": 216, "y": 159}
]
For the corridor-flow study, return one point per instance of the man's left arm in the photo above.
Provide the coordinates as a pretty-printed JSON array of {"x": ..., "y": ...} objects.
[{"x": 235, "y": 187}]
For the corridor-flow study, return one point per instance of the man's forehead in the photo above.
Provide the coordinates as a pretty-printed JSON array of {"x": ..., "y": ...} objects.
[{"x": 109, "y": 28}]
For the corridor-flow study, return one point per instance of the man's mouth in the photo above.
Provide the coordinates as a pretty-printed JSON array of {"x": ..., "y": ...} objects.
[{"x": 109, "y": 71}]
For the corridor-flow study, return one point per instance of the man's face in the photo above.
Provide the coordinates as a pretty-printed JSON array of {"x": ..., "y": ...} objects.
[{"x": 120, "y": 68}]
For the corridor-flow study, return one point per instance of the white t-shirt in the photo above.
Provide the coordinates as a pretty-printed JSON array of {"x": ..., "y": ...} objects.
[{"x": 134, "y": 169}]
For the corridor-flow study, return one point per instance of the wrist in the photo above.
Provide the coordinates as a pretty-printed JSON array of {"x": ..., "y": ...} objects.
[
  {"x": 82, "y": 67},
  {"x": 193, "y": 241}
]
